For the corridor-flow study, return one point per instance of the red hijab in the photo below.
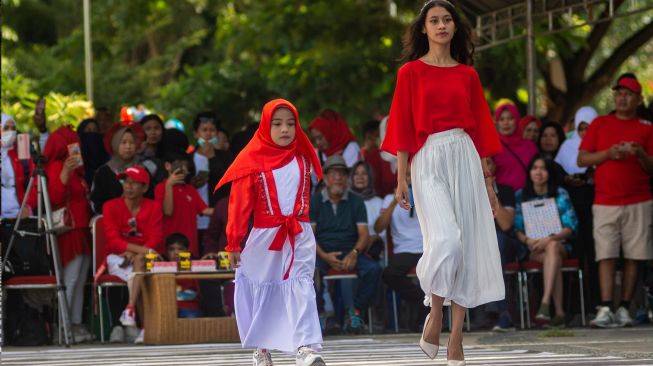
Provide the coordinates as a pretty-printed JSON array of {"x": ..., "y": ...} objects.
[
  {"x": 335, "y": 130},
  {"x": 261, "y": 154},
  {"x": 57, "y": 147},
  {"x": 524, "y": 121}
]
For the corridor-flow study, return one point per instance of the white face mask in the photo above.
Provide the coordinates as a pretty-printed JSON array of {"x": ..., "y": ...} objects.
[{"x": 8, "y": 138}]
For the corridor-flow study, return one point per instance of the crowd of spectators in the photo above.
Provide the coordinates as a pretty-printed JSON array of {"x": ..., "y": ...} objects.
[{"x": 155, "y": 192}]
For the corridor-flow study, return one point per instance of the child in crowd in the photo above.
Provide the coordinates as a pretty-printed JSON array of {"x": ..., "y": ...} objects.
[
  {"x": 181, "y": 202},
  {"x": 133, "y": 229},
  {"x": 275, "y": 297},
  {"x": 188, "y": 291}
]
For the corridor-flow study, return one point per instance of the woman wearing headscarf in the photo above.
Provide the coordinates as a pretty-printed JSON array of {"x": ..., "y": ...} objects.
[
  {"x": 68, "y": 188},
  {"x": 92, "y": 148},
  {"x": 361, "y": 183},
  {"x": 122, "y": 142},
  {"x": 551, "y": 138},
  {"x": 15, "y": 173},
  {"x": 332, "y": 136},
  {"x": 517, "y": 152},
  {"x": 530, "y": 127},
  {"x": 567, "y": 156}
]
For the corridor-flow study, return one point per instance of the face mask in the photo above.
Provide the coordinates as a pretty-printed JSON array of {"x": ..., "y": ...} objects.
[
  {"x": 212, "y": 141},
  {"x": 8, "y": 138}
]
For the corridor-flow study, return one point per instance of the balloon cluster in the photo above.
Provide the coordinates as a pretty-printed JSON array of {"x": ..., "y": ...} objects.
[{"x": 132, "y": 113}]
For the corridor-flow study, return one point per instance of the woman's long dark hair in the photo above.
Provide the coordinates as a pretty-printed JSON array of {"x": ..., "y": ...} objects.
[
  {"x": 552, "y": 183},
  {"x": 416, "y": 43},
  {"x": 559, "y": 131}
]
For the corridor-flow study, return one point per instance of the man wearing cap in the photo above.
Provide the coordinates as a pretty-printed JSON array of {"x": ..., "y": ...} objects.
[
  {"x": 339, "y": 220},
  {"x": 133, "y": 228},
  {"x": 620, "y": 145}
]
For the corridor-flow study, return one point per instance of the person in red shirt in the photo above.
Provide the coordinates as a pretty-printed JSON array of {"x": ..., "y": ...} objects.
[
  {"x": 441, "y": 122},
  {"x": 332, "y": 136},
  {"x": 620, "y": 145},
  {"x": 384, "y": 178},
  {"x": 181, "y": 202},
  {"x": 133, "y": 228},
  {"x": 187, "y": 291}
]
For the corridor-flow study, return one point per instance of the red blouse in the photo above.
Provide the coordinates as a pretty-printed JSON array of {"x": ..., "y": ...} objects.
[{"x": 430, "y": 99}]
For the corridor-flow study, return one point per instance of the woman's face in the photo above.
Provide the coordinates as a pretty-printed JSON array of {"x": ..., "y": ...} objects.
[
  {"x": 223, "y": 141},
  {"x": 549, "y": 140},
  {"x": 319, "y": 140},
  {"x": 127, "y": 147},
  {"x": 539, "y": 174},
  {"x": 283, "y": 127},
  {"x": 9, "y": 126},
  {"x": 506, "y": 123},
  {"x": 360, "y": 178},
  {"x": 91, "y": 127},
  {"x": 439, "y": 26},
  {"x": 582, "y": 129},
  {"x": 531, "y": 131},
  {"x": 153, "y": 132}
]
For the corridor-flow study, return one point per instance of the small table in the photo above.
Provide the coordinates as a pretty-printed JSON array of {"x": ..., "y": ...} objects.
[{"x": 162, "y": 326}]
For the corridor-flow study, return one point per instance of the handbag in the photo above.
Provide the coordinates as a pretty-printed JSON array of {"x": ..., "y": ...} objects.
[{"x": 62, "y": 220}]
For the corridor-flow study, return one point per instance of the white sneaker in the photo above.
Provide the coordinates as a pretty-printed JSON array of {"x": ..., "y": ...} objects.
[
  {"x": 622, "y": 317},
  {"x": 128, "y": 318},
  {"x": 262, "y": 357},
  {"x": 117, "y": 335},
  {"x": 81, "y": 334},
  {"x": 306, "y": 356},
  {"x": 604, "y": 318},
  {"x": 140, "y": 338}
]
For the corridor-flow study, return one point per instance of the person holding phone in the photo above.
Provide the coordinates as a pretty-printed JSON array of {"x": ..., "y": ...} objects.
[
  {"x": 15, "y": 174},
  {"x": 68, "y": 188},
  {"x": 440, "y": 122}
]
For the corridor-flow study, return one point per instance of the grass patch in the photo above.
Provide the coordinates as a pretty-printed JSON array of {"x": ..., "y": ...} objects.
[{"x": 557, "y": 332}]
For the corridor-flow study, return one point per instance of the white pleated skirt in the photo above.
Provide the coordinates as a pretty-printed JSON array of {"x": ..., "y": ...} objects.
[
  {"x": 461, "y": 261},
  {"x": 273, "y": 313}
]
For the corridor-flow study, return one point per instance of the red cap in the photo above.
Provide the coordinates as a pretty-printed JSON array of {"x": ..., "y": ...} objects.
[
  {"x": 629, "y": 83},
  {"x": 137, "y": 174}
]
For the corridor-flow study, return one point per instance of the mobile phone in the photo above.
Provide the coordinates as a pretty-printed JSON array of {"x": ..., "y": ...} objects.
[
  {"x": 625, "y": 147},
  {"x": 23, "y": 146},
  {"x": 75, "y": 151}
]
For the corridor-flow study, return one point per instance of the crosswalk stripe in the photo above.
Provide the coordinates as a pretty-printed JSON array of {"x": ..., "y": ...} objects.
[{"x": 353, "y": 352}]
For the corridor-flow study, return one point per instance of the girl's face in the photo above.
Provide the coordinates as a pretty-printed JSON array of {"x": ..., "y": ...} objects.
[
  {"x": 549, "y": 140},
  {"x": 439, "y": 26},
  {"x": 173, "y": 251},
  {"x": 582, "y": 129},
  {"x": 360, "y": 178},
  {"x": 283, "y": 127},
  {"x": 506, "y": 123},
  {"x": 531, "y": 131},
  {"x": 206, "y": 131},
  {"x": 319, "y": 140},
  {"x": 539, "y": 174},
  {"x": 153, "y": 132},
  {"x": 127, "y": 147}
]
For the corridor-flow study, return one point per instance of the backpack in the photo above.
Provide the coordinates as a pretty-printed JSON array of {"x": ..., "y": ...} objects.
[
  {"x": 29, "y": 253},
  {"x": 25, "y": 326}
]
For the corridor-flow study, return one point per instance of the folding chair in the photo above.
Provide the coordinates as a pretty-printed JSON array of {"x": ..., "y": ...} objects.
[
  {"x": 514, "y": 268},
  {"x": 568, "y": 265},
  {"x": 101, "y": 279}
]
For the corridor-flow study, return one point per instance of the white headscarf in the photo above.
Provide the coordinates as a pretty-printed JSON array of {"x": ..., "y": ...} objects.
[
  {"x": 10, "y": 204},
  {"x": 568, "y": 154}
]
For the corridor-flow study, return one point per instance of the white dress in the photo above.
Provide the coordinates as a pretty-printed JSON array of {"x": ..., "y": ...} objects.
[{"x": 271, "y": 312}]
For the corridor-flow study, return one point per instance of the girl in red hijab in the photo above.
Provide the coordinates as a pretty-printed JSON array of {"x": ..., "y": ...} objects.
[
  {"x": 68, "y": 188},
  {"x": 275, "y": 299},
  {"x": 332, "y": 136}
]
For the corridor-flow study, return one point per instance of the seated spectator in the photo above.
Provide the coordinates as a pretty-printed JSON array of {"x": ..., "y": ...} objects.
[
  {"x": 384, "y": 179},
  {"x": 188, "y": 291},
  {"x": 509, "y": 248},
  {"x": 121, "y": 142},
  {"x": 223, "y": 139},
  {"x": 15, "y": 174},
  {"x": 181, "y": 202},
  {"x": 339, "y": 220},
  {"x": 517, "y": 152},
  {"x": 67, "y": 188},
  {"x": 362, "y": 185},
  {"x": 550, "y": 250},
  {"x": 133, "y": 228},
  {"x": 332, "y": 136},
  {"x": 530, "y": 127},
  {"x": 407, "y": 249},
  {"x": 153, "y": 153},
  {"x": 620, "y": 145},
  {"x": 551, "y": 138},
  {"x": 92, "y": 147}
]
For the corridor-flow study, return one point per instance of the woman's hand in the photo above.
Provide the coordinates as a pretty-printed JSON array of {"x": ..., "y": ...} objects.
[
  {"x": 234, "y": 259},
  {"x": 68, "y": 166},
  {"x": 401, "y": 194}
]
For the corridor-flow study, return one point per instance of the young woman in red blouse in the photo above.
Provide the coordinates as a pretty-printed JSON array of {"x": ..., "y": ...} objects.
[{"x": 441, "y": 123}]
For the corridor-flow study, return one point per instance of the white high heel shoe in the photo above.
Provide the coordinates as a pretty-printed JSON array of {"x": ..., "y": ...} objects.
[
  {"x": 455, "y": 362},
  {"x": 431, "y": 350}
]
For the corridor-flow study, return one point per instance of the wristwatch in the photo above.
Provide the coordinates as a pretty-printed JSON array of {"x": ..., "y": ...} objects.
[{"x": 355, "y": 251}]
